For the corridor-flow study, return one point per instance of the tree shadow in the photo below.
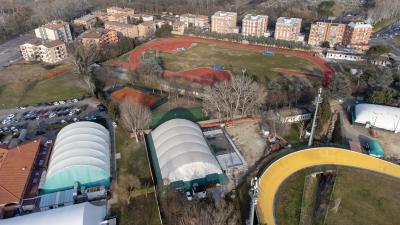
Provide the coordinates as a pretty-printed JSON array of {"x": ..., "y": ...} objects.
[{"x": 176, "y": 113}]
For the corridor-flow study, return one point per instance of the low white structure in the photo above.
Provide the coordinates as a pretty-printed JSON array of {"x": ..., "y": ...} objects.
[
  {"x": 79, "y": 214},
  {"x": 380, "y": 116},
  {"x": 343, "y": 55},
  {"x": 181, "y": 155}
]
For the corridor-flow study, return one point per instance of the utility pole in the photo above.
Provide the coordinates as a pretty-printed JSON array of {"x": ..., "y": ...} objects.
[
  {"x": 317, "y": 101},
  {"x": 253, "y": 195}
]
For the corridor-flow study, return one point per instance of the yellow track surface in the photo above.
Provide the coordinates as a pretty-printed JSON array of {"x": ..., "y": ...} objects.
[{"x": 278, "y": 171}]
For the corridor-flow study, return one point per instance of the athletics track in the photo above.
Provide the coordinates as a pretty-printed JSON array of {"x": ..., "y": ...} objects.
[
  {"x": 171, "y": 44},
  {"x": 274, "y": 175}
]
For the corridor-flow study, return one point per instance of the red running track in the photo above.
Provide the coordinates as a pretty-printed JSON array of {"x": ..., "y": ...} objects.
[{"x": 171, "y": 44}]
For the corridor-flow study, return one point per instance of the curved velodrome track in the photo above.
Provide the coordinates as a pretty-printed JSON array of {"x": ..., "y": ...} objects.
[
  {"x": 277, "y": 172},
  {"x": 171, "y": 44}
]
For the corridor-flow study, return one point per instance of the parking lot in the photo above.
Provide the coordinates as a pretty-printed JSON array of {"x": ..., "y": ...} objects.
[{"x": 23, "y": 122}]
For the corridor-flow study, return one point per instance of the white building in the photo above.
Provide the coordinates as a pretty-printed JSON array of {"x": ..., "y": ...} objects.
[
  {"x": 344, "y": 55},
  {"x": 55, "y": 30},
  {"x": 380, "y": 116},
  {"x": 37, "y": 50}
]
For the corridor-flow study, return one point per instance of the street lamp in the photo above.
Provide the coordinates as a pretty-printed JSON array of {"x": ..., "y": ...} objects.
[{"x": 317, "y": 101}]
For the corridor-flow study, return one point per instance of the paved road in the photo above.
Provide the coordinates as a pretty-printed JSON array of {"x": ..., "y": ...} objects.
[
  {"x": 9, "y": 51},
  {"x": 386, "y": 42}
]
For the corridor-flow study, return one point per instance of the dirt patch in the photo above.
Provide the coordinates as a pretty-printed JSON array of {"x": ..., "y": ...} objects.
[
  {"x": 296, "y": 72},
  {"x": 247, "y": 137},
  {"x": 136, "y": 96},
  {"x": 203, "y": 76}
]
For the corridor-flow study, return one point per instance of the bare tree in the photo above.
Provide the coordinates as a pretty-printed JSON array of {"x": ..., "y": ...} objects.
[
  {"x": 221, "y": 212},
  {"x": 126, "y": 187},
  {"x": 134, "y": 116},
  {"x": 81, "y": 57},
  {"x": 240, "y": 96}
]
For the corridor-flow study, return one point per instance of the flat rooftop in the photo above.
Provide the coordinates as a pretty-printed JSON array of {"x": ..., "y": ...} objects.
[{"x": 285, "y": 20}]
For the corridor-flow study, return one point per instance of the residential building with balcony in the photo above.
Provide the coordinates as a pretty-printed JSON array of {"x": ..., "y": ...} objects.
[
  {"x": 116, "y": 10},
  {"x": 99, "y": 37},
  {"x": 87, "y": 21},
  {"x": 357, "y": 35},
  {"x": 321, "y": 32},
  {"x": 143, "y": 30},
  {"x": 224, "y": 22},
  {"x": 194, "y": 20},
  {"x": 178, "y": 28},
  {"x": 55, "y": 30},
  {"x": 50, "y": 52},
  {"x": 254, "y": 25},
  {"x": 288, "y": 29}
]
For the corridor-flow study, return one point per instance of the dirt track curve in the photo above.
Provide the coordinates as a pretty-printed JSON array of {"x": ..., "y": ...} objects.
[{"x": 171, "y": 44}]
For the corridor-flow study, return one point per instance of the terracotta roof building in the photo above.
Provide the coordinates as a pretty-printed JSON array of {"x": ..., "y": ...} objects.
[
  {"x": 87, "y": 21},
  {"x": 322, "y": 31},
  {"x": 357, "y": 35},
  {"x": 49, "y": 52},
  {"x": 16, "y": 167},
  {"x": 99, "y": 37}
]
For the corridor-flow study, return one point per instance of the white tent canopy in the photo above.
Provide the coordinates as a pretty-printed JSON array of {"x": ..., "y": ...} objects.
[
  {"x": 380, "y": 116},
  {"x": 79, "y": 214},
  {"x": 182, "y": 151},
  {"x": 82, "y": 143}
]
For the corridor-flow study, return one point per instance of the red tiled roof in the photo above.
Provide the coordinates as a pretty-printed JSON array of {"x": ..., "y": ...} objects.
[{"x": 15, "y": 168}]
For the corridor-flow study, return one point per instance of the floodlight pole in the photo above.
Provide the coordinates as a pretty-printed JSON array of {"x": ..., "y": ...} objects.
[
  {"x": 253, "y": 195},
  {"x": 317, "y": 101}
]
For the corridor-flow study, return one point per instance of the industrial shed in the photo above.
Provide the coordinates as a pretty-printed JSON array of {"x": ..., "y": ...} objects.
[
  {"x": 181, "y": 156},
  {"x": 81, "y": 154},
  {"x": 79, "y": 214},
  {"x": 380, "y": 116}
]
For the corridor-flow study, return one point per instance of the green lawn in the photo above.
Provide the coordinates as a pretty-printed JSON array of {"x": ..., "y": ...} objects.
[
  {"x": 257, "y": 65},
  {"x": 193, "y": 114},
  {"x": 359, "y": 198},
  {"x": 25, "y": 92},
  {"x": 142, "y": 209}
]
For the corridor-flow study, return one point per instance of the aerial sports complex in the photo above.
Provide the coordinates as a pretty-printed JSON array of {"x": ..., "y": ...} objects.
[{"x": 276, "y": 173}]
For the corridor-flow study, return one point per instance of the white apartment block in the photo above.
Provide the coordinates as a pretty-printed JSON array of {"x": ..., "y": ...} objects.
[
  {"x": 194, "y": 20},
  {"x": 55, "y": 30},
  {"x": 254, "y": 25},
  {"x": 288, "y": 29},
  {"x": 49, "y": 52},
  {"x": 224, "y": 22}
]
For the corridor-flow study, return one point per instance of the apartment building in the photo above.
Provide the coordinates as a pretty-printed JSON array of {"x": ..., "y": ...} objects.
[
  {"x": 49, "y": 52},
  {"x": 195, "y": 20},
  {"x": 178, "y": 28},
  {"x": 145, "y": 17},
  {"x": 30, "y": 50},
  {"x": 357, "y": 35},
  {"x": 288, "y": 29},
  {"x": 254, "y": 25},
  {"x": 143, "y": 30},
  {"x": 224, "y": 22},
  {"x": 100, "y": 14},
  {"x": 55, "y": 30},
  {"x": 117, "y": 10},
  {"x": 119, "y": 17},
  {"x": 99, "y": 37},
  {"x": 87, "y": 21},
  {"x": 321, "y": 32}
]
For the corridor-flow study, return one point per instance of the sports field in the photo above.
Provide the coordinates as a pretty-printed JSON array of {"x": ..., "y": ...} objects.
[
  {"x": 260, "y": 66},
  {"x": 359, "y": 197},
  {"x": 136, "y": 96}
]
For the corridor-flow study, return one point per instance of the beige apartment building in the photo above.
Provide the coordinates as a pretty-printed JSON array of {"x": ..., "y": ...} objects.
[
  {"x": 87, "y": 21},
  {"x": 288, "y": 29},
  {"x": 101, "y": 15},
  {"x": 143, "y": 30},
  {"x": 55, "y": 30},
  {"x": 224, "y": 22},
  {"x": 99, "y": 37},
  {"x": 116, "y": 10},
  {"x": 194, "y": 20},
  {"x": 254, "y": 25},
  {"x": 178, "y": 28},
  {"x": 321, "y": 32},
  {"x": 357, "y": 35},
  {"x": 50, "y": 52}
]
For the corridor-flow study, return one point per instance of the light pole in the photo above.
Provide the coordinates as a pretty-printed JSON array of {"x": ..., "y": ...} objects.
[
  {"x": 253, "y": 195},
  {"x": 317, "y": 101}
]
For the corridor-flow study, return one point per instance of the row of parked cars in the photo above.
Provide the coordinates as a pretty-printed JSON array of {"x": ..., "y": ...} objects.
[
  {"x": 51, "y": 113},
  {"x": 11, "y": 129}
]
